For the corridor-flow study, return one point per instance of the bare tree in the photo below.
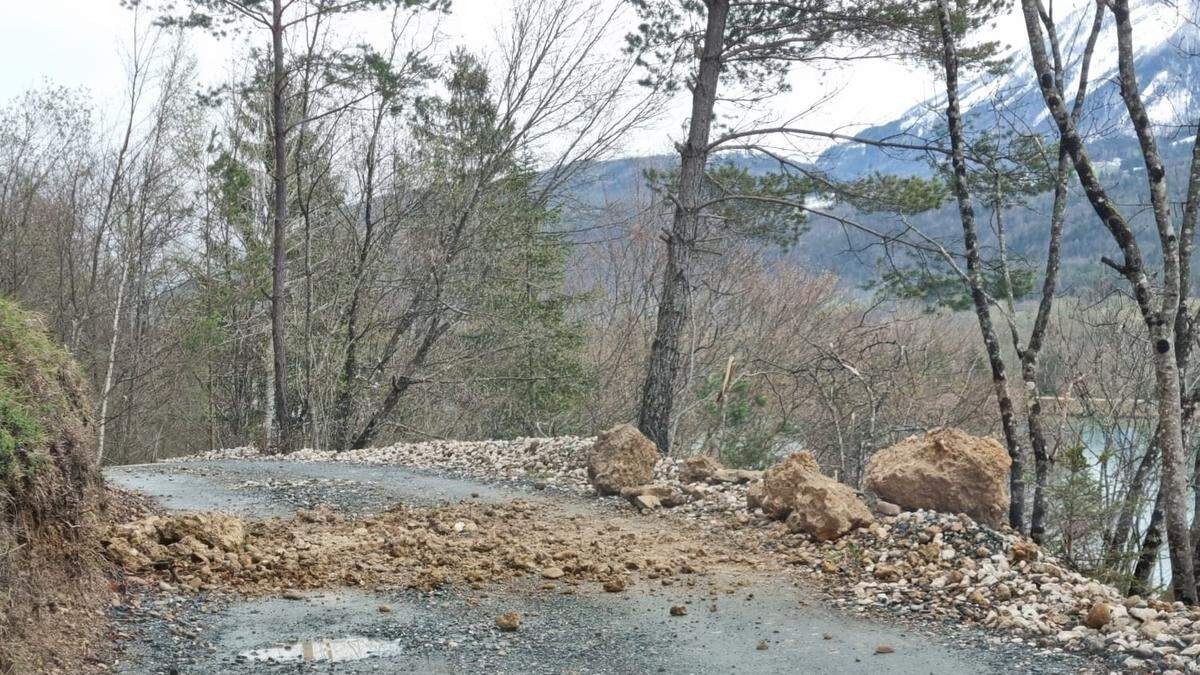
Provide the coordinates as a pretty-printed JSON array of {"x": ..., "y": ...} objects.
[{"x": 1164, "y": 312}]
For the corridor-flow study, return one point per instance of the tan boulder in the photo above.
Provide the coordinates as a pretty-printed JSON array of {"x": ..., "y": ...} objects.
[
  {"x": 705, "y": 469},
  {"x": 214, "y": 529},
  {"x": 658, "y": 490},
  {"x": 796, "y": 491},
  {"x": 666, "y": 495},
  {"x": 620, "y": 458},
  {"x": 735, "y": 476},
  {"x": 647, "y": 502},
  {"x": 944, "y": 470},
  {"x": 699, "y": 469}
]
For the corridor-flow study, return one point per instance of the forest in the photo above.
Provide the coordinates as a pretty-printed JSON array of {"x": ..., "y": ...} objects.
[{"x": 347, "y": 242}]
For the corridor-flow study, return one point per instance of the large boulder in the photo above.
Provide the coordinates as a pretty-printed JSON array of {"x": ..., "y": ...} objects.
[
  {"x": 944, "y": 470},
  {"x": 621, "y": 458},
  {"x": 796, "y": 491}
]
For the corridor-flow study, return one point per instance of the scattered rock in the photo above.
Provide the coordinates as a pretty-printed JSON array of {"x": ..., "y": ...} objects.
[
  {"x": 385, "y": 609},
  {"x": 884, "y": 649},
  {"x": 887, "y": 573},
  {"x": 508, "y": 621},
  {"x": 292, "y": 594},
  {"x": 1143, "y": 614},
  {"x": 1098, "y": 616},
  {"x": 699, "y": 469},
  {"x": 553, "y": 573},
  {"x": 754, "y": 497},
  {"x": 944, "y": 470},
  {"x": 614, "y": 585},
  {"x": 762, "y": 646},
  {"x": 796, "y": 491},
  {"x": 620, "y": 458},
  {"x": 1023, "y": 549},
  {"x": 735, "y": 476},
  {"x": 646, "y": 502},
  {"x": 886, "y": 508},
  {"x": 658, "y": 490},
  {"x": 678, "y": 610}
]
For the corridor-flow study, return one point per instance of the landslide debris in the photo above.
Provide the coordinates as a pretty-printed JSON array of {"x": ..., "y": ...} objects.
[
  {"x": 948, "y": 568},
  {"x": 415, "y": 547},
  {"x": 931, "y": 566}
]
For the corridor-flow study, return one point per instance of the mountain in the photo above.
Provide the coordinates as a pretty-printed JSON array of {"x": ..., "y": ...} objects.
[
  {"x": 1168, "y": 73},
  {"x": 1165, "y": 42}
]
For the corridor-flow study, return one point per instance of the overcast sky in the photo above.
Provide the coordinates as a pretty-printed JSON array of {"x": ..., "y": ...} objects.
[{"x": 81, "y": 43}]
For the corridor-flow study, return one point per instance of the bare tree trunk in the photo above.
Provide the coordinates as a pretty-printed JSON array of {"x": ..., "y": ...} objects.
[
  {"x": 1151, "y": 543},
  {"x": 106, "y": 391},
  {"x": 1166, "y": 367},
  {"x": 1029, "y": 356},
  {"x": 966, "y": 212},
  {"x": 658, "y": 391},
  {"x": 401, "y": 383},
  {"x": 1117, "y": 541},
  {"x": 283, "y": 420},
  {"x": 344, "y": 406}
]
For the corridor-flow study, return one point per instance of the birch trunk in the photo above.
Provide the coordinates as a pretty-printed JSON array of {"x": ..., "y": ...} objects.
[{"x": 106, "y": 391}]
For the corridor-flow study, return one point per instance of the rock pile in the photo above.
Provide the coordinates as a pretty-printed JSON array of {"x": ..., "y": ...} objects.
[
  {"x": 944, "y": 470},
  {"x": 705, "y": 469},
  {"x": 948, "y": 567},
  {"x": 558, "y": 461}
]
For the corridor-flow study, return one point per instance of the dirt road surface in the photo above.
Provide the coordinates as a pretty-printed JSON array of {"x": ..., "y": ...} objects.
[{"x": 761, "y": 622}]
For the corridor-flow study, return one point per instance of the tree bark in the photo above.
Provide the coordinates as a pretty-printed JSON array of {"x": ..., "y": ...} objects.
[
  {"x": 344, "y": 407},
  {"x": 1117, "y": 541},
  {"x": 966, "y": 212},
  {"x": 1029, "y": 356},
  {"x": 283, "y": 419},
  {"x": 658, "y": 391}
]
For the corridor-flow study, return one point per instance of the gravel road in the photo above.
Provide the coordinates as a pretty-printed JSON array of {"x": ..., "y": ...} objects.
[{"x": 761, "y": 623}]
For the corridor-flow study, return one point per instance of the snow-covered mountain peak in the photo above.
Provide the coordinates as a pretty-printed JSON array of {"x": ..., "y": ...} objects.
[{"x": 1167, "y": 63}]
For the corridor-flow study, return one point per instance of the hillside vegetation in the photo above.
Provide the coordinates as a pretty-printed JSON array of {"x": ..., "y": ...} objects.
[{"x": 49, "y": 496}]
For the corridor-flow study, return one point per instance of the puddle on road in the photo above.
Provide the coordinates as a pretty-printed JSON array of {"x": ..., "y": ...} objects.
[{"x": 343, "y": 649}]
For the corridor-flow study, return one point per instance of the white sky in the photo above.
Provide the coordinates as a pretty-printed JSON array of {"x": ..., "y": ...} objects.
[{"x": 80, "y": 43}]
